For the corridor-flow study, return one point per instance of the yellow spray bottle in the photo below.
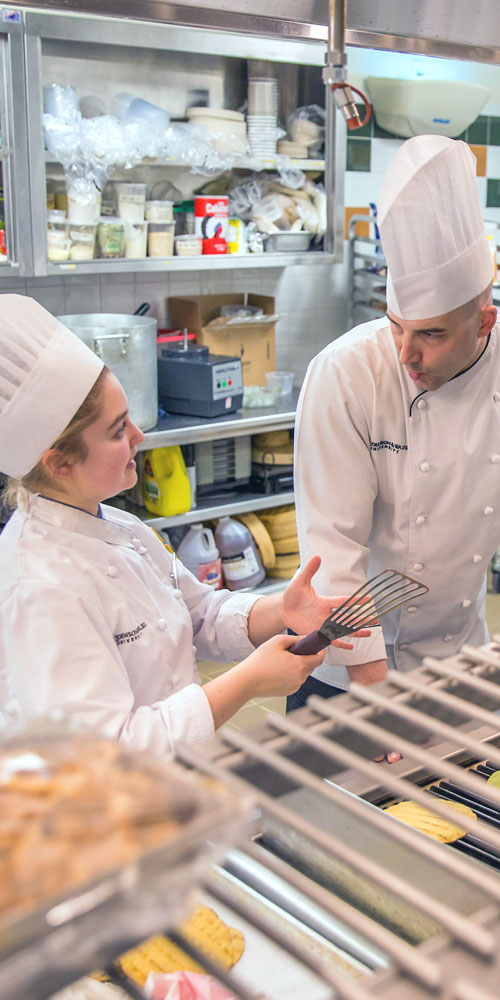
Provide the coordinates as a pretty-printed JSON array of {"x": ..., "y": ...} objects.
[{"x": 166, "y": 484}]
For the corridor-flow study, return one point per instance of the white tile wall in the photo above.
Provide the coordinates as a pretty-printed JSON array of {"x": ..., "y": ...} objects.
[{"x": 311, "y": 300}]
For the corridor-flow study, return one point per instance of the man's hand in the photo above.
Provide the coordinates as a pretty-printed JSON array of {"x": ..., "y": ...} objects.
[{"x": 373, "y": 673}]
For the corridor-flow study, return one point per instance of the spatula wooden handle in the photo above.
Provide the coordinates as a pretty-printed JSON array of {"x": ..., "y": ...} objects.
[{"x": 310, "y": 644}]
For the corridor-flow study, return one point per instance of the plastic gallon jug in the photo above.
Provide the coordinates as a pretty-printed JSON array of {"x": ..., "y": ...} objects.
[
  {"x": 241, "y": 566},
  {"x": 166, "y": 484},
  {"x": 200, "y": 554}
]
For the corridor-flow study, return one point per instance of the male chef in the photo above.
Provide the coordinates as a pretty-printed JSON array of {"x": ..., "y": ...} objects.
[{"x": 397, "y": 444}]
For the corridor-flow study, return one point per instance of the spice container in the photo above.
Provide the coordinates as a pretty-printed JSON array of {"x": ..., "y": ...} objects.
[
  {"x": 131, "y": 202},
  {"x": 159, "y": 211},
  {"x": 58, "y": 245},
  {"x": 161, "y": 239},
  {"x": 136, "y": 236},
  {"x": 57, "y": 222},
  {"x": 188, "y": 246},
  {"x": 82, "y": 242},
  {"x": 111, "y": 237}
]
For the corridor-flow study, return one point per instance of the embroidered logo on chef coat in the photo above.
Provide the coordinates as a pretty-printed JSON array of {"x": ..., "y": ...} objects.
[
  {"x": 389, "y": 445},
  {"x": 124, "y": 637}
]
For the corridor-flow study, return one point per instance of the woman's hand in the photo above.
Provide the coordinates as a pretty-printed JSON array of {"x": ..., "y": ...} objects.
[
  {"x": 304, "y": 610},
  {"x": 269, "y": 671}
]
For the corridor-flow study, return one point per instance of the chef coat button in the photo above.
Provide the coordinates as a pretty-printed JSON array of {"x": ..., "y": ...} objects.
[
  {"x": 466, "y": 603},
  {"x": 495, "y": 459},
  {"x": 417, "y": 567},
  {"x": 447, "y": 637},
  {"x": 496, "y": 397},
  {"x": 177, "y": 592},
  {"x": 422, "y": 404},
  {"x": 411, "y": 610},
  {"x": 487, "y": 511},
  {"x": 477, "y": 558},
  {"x": 112, "y": 571},
  {"x": 424, "y": 467},
  {"x": 175, "y": 678},
  {"x": 420, "y": 519},
  {"x": 162, "y": 624},
  {"x": 142, "y": 551},
  {"x": 136, "y": 543}
]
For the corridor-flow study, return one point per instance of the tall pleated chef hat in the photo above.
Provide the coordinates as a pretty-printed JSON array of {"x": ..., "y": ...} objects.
[
  {"x": 432, "y": 228},
  {"x": 45, "y": 374}
]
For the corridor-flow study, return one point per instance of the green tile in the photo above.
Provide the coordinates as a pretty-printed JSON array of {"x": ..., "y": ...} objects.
[
  {"x": 477, "y": 133},
  {"x": 493, "y": 193},
  {"x": 367, "y": 129},
  {"x": 463, "y": 136},
  {"x": 358, "y": 154},
  {"x": 494, "y": 139}
]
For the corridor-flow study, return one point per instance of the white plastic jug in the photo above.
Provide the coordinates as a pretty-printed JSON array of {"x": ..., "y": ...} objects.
[
  {"x": 200, "y": 554},
  {"x": 241, "y": 564}
]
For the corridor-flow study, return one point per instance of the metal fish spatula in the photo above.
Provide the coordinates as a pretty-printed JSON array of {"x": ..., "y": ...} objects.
[{"x": 383, "y": 593}]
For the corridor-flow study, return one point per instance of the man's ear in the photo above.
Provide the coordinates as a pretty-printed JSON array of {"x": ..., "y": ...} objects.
[
  {"x": 56, "y": 465},
  {"x": 488, "y": 318}
]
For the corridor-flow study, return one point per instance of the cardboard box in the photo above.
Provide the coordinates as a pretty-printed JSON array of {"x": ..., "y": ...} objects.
[{"x": 252, "y": 340}]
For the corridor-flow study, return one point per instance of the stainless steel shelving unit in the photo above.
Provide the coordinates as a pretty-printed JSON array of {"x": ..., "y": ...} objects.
[
  {"x": 187, "y": 430},
  {"x": 177, "y": 429},
  {"x": 53, "y": 40},
  {"x": 366, "y": 286},
  {"x": 14, "y": 164}
]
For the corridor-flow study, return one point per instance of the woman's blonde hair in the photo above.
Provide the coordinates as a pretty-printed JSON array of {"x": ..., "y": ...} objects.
[{"x": 69, "y": 444}]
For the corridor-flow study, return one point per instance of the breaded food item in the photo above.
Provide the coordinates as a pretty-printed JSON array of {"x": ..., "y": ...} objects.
[
  {"x": 219, "y": 941},
  {"x": 428, "y": 822},
  {"x": 73, "y": 809}
]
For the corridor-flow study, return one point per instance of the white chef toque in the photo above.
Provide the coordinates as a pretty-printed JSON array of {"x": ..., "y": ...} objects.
[
  {"x": 432, "y": 228},
  {"x": 45, "y": 374}
]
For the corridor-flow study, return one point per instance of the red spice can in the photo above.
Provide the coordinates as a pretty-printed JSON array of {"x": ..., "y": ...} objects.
[{"x": 211, "y": 216}]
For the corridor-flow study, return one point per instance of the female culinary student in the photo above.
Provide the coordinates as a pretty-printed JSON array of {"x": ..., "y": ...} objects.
[{"x": 97, "y": 618}]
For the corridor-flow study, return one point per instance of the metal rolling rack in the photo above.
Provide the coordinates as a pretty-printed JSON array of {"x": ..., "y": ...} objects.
[{"x": 365, "y": 283}]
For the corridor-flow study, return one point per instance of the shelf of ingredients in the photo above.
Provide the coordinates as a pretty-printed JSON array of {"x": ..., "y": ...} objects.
[
  {"x": 207, "y": 510},
  {"x": 224, "y": 262},
  {"x": 243, "y": 163}
]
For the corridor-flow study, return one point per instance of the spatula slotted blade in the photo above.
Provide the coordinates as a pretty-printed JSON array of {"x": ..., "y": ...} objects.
[{"x": 363, "y": 609}]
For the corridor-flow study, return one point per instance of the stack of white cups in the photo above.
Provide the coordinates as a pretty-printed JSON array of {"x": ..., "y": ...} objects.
[{"x": 262, "y": 116}]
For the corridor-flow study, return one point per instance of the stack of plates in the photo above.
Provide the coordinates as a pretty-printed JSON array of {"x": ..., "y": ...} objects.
[
  {"x": 293, "y": 149},
  {"x": 261, "y": 131}
]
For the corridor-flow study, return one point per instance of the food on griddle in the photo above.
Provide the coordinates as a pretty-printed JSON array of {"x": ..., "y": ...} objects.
[
  {"x": 494, "y": 779},
  {"x": 428, "y": 822},
  {"x": 204, "y": 929},
  {"x": 72, "y": 808}
]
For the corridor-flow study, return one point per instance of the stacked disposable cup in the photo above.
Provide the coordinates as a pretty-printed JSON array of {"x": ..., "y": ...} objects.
[{"x": 262, "y": 116}]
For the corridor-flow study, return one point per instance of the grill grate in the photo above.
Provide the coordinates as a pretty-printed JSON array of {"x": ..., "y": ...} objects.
[{"x": 443, "y": 719}]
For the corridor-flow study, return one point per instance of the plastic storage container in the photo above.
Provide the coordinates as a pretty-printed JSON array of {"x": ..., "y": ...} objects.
[
  {"x": 110, "y": 237},
  {"x": 241, "y": 565},
  {"x": 131, "y": 202},
  {"x": 160, "y": 211},
  {"x": 136, "y": 239},
  {"x": 161, "y": 239},
  {"x": 166, "y": 484},
  {"x": 200, "y": 555},
  {"x": 82, "y": 242}
]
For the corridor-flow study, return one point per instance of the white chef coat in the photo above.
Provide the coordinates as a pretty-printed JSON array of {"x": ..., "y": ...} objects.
[
  {"x": 99, "y": 620},
  {"x": 386, "y": 477}
]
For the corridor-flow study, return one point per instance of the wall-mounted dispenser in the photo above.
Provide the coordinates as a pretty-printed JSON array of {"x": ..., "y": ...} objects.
[{"x": 423, "y": 107}]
